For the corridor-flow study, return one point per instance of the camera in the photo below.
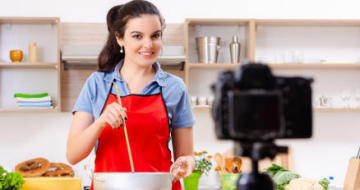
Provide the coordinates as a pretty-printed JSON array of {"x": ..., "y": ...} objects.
[{"x": 253, "y": 105}]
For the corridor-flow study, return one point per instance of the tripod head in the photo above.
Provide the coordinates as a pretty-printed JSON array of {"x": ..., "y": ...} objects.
[{"x": 257, "y": 151}]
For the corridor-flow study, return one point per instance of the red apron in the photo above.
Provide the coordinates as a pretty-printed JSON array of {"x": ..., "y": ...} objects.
[{"x": 149, "y": 133}]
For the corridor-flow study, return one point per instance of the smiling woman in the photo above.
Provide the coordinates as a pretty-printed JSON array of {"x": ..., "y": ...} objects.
[{"x": 154, "y": 105}]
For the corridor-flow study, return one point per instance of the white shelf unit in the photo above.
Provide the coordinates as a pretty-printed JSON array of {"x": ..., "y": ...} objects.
[
  {"x": 203, "y": 75},
  {"x": 326, "y": 50},
  {"x": 25, "y": 77}
]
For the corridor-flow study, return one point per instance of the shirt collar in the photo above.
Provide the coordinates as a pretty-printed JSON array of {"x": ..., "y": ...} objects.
[{"x": 160, "y": 75}]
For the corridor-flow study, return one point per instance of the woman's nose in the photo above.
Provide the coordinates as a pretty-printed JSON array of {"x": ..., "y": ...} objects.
[{"x": 148, "y": 43}]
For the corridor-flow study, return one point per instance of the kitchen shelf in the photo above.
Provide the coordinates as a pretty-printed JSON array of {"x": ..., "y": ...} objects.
[
  {"x": 337, "y": 109},
  {"x": 324, "y": 50},
  {"x": 23, "y": 65},
  {"x": 349, "y": 66},
  {"x": 29, "y": 20},
  {"x": 208, "y": 108},
  {"x": 307, "y": 22},
  {"x": 201, "y": 108},
  {"x": 212, "y": 66},
  {"x": 25, "y": 77},
  {"x": 56, "y": 109}
]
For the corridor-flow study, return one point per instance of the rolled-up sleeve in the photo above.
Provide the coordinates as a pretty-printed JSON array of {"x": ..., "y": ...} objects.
[
  {"x": 85, "y": 100},
  {"x": 183, "y": 115}
]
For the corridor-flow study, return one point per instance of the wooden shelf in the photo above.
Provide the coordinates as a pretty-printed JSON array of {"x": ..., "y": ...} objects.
[
  {"x": 337, "y": 109},
  {"x": 212, "y": 65},
  {"x": 217, "y": 21},
  {"x": 46, "y": 73},
  {"x": 201, "y": 108},
  {"x": 56, "y": 109},
  {"x": 24, "y": 65},
  {"x": 208, "y": 108},
  {"x": 307, "y": 22},
  {"x": 347, "y": 66},
  {"x": 29, "y": 20}
]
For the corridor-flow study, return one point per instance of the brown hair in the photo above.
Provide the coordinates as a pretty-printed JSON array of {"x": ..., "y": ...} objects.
[{"x": 116, "y": 20}]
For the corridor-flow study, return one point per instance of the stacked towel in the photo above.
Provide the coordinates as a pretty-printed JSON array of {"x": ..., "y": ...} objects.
[{"x": 42, "y": 100}]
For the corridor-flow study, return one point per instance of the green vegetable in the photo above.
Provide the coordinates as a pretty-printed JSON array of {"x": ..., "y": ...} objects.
[
  {"x": 273, "y": 169},
  {"x": 10, "y": 180},
  {"x": 325, "y": 183},
  {"x": 282, "y": 178}
]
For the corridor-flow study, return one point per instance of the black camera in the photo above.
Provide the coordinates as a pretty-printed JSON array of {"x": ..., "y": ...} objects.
[{"x": 253, "y": 105}]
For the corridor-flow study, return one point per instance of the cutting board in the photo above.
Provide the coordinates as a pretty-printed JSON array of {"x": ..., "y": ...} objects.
[{"x": 52, "y": 183}]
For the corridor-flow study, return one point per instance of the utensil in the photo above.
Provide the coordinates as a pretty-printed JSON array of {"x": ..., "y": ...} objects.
[
  {"x": 358, "y": 154},
  {"x": 136, "y": 181},
  {"x": 125, "y": 131},
  {"x": 220, "y": 161}
]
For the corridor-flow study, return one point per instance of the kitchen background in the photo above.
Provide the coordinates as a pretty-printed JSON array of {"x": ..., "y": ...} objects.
[{"x": 336, "y": 134}]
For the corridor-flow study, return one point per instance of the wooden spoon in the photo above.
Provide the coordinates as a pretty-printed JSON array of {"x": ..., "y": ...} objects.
[{"x": 220, "y": 161}]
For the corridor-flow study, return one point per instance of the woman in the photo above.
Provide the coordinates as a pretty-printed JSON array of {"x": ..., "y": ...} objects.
[{"x": 155, "y": 104}]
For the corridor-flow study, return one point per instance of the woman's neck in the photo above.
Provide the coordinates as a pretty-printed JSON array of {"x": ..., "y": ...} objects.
[
  {"x": 131, "y": 71},
  {"x": 135, "y": 76}
]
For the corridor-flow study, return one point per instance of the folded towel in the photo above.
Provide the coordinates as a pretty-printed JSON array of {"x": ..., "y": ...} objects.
[
  {"x": 21, "y": 95},
  {"x": 34, "y": 104},
  {"x": 21, "y": 101},
  {"x": 46, "y": 98}
]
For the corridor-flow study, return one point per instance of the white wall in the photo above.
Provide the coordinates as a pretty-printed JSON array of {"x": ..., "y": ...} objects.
[
  {"x": 176, "y": 10},
  {"x": 28, "y": 135}
]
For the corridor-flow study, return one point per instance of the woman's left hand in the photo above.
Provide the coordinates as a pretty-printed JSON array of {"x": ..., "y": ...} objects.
[{"x": 182, "y": 167}]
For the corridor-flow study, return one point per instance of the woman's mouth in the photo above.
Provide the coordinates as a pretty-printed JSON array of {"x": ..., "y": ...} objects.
[{"x": 146, "y": 54}]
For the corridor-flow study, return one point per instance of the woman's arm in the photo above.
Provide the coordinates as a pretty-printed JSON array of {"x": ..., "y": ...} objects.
[
  {"x": 84, "y": 132},
  {"x": 83, "y": 135},
  {"x": 182, "y": 142},
  {"x": 183, "y": 149}
]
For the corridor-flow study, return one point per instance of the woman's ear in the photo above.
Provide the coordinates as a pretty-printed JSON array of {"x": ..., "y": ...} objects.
[{"x": 119, "y": 40}]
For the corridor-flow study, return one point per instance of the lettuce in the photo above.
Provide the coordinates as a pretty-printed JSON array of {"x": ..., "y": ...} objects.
[
  {"x": 325, "y": 183},
  {"x": 283, "y": 178},
  {"x": 10, "y": 180}
]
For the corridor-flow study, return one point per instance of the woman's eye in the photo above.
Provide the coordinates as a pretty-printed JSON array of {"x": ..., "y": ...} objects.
[
  {"x": 137, "y": 36},
  {"x": 156, "y": 36}
]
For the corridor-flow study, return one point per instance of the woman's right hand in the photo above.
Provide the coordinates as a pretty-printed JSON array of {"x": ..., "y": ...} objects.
[{"x": 113, "y": 115}]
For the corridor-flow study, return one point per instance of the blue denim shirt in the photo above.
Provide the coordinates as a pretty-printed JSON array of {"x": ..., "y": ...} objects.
[{"x": 94, "y": 94}]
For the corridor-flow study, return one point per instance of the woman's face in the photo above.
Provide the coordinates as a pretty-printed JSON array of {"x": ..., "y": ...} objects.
[{"x": 142, "y": 40}]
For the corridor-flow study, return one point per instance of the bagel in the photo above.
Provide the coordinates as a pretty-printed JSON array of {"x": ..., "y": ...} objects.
[
  {"x": 59, "y": 170},
  {"x": 33, "y": 168}
]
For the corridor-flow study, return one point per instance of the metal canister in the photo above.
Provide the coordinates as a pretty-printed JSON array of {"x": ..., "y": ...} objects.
[{"x": 208, "y": 49}]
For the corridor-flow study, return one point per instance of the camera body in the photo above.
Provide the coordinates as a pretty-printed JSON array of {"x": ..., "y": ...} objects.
[{"x": 253, "y": 105}]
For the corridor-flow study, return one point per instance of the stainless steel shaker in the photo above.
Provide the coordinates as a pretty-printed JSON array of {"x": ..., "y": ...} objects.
[
  {"x": 235, "y": 50},
  {"x": 208, "y": 49}
]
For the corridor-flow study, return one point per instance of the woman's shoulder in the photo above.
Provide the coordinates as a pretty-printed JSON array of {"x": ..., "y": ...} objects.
[
  {"x": 173, "y": 81},
  {"x": 99, "y": 76},
  {"x": 98, "y": 80}
]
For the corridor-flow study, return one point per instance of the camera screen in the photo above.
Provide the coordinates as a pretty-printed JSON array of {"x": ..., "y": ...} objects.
[{"x": 257, "y": 115}]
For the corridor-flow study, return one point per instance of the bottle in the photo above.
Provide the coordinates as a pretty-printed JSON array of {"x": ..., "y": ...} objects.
[
  {"x": 32, "y": 52},
  {"x": 235, "y": 50}
]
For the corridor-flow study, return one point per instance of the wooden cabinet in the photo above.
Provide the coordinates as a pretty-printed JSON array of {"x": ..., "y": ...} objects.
[
  {"x": 326, "y": 50},
  {"x": 40, "y": 76}
]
